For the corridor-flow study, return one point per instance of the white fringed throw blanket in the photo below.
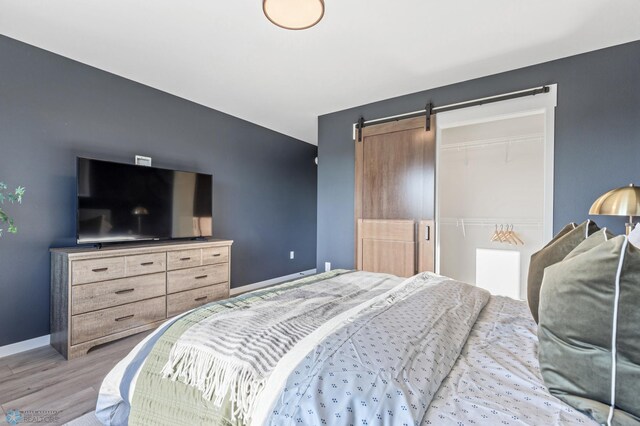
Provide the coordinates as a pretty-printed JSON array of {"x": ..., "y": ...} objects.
[{"x": 229, "y": 355}]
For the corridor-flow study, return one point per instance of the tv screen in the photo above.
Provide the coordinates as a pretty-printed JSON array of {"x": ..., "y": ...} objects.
[{"x": 123, "y": 202}]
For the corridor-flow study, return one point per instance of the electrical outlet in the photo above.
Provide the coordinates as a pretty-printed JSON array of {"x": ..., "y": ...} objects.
[
  {"x": 327, "y": 266},
  {"x": 292, "y": 255}
]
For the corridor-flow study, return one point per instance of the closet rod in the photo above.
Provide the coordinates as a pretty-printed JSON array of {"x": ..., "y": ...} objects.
[
  {"x": 490, "y": 224},
  {"x": 430, "y": 109}
]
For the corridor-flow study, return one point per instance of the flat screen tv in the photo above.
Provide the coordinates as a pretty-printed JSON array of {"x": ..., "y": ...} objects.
[{"x": 123, "y": 202}]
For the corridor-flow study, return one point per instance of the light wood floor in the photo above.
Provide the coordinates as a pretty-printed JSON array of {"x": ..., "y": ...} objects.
[{"x": 42, "y": 379}]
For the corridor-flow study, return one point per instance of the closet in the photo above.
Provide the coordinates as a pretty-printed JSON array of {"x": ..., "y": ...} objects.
[
  {"x": 491, "y": 197},
  {"x": 395, "y": 198}
]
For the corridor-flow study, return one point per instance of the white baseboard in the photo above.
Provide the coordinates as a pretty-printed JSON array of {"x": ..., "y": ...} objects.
[
  {"x": 25, "y": 345},
  {"x": 267, "y": 283},
  {"x": 37, "y": 342}
]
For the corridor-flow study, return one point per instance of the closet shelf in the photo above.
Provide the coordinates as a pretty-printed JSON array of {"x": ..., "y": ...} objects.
[
  {"x": 490, "y": 221},
  {"x": 483, "y": 143}
]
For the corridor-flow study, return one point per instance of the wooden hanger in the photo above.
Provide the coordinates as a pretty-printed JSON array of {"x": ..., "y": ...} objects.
[{"x": 496, "y": 235}]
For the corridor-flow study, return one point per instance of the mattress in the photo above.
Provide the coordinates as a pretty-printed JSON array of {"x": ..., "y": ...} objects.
[{"x": 426, "y": 350}]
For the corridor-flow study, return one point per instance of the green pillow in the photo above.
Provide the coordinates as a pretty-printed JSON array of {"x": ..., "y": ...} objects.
[
  {"x": 555, "y": 251},
  {"x": 577, "y": 311},
  {"x": 594, "y": 240},
  {"x": 567, "y": 228}
]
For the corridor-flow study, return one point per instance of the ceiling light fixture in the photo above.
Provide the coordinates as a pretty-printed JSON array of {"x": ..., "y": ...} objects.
[{"x": 294, "y": 14}]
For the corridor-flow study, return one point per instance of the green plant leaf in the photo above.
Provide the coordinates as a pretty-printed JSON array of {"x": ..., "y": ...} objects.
[
  {"x": 13, "y": 197},
  {"x": 19, "y": 192}
]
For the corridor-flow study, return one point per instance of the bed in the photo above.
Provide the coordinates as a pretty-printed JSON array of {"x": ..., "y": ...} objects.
[{"x": 341, "y": 347}]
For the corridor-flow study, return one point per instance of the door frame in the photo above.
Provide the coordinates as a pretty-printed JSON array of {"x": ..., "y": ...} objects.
[{"x": 544, "y": 103}]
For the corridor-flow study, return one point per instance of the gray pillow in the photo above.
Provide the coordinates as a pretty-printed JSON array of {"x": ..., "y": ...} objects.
[
  {"x": 594, "y": 240},
  {"x": 555, "y": 251},
  {"x": 577, "y": 311}
]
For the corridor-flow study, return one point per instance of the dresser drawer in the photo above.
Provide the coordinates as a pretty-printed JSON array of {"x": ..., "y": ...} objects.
[
  {"x": 101, "y": 323},
  {"x": 187, "y": 279},
  {"x": 184, "y": 259},
  {"x": 213, "y": 255},
  {"x": 142, "y": 264},
  {"x": 107, "y": 294},
  {"x": 92, "y": 270},
  {"x": 183, "y": 301}
]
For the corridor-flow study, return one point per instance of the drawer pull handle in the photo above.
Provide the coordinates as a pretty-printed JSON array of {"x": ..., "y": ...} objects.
[
  {"x": 125, "y": 318},
  {"x": 185, "y": 258},
  {"x": 217, "y": 254},
  {"x": 100, "y": 269},
  {"x": 199, "y": 299},
  {"x": 146, "y": 263},
  {"x": 201, "y": 277},
  {"x": 129, "y": 290}
]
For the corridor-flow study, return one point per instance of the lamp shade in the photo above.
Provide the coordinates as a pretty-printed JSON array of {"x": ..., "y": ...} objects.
[
  {"x": 623, "y": 201},
  {"x": 294, "y": 14},
  {"x": 140, "y": 211}
]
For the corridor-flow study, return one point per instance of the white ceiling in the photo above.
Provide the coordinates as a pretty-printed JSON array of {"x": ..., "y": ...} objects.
[{"x": 228, "y": 56}]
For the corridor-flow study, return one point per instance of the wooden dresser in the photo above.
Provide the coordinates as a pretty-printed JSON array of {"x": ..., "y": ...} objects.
[{"x": 100, "y": 295}]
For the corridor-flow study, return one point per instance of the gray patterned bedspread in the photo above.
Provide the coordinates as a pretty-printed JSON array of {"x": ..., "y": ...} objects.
[
  {"x": 386, "y": 365},
  {"x": 496, "y": 379},
  {"x": 424, "y": 351}
]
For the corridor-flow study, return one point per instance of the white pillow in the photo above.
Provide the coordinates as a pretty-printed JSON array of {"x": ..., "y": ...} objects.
[{"x": 634, "y": 236}]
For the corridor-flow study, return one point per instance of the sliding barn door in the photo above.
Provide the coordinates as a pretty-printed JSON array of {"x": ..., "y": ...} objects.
[{"x": 395, "y": 185}]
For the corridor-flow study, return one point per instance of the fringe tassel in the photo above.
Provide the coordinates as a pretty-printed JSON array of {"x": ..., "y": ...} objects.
[{"x": 216, "y": 378}]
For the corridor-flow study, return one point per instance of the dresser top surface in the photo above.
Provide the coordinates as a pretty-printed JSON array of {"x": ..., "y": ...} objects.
[{"x": 152, "y": 246}]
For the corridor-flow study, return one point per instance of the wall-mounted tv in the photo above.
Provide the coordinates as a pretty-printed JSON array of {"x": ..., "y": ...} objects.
[{"x": 124, "y": 202}]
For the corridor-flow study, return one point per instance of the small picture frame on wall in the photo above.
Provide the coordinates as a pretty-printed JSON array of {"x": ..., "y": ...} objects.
[{"x": 143, "y": 161}]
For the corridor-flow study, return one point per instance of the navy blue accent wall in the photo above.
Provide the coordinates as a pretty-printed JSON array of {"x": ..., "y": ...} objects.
[
  {"x": 597, "y": 138},
  {"x": 53, "y": 109}
]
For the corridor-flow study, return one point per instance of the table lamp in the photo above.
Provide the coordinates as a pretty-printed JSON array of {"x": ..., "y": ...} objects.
[
  {"x": 139, "y": 212},
  {"x": 623, "y": 201}
]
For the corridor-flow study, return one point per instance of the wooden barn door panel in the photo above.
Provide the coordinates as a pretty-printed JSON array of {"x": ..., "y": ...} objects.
[
  {"x": 387, "y": 246},
  {"x": 389, "y": 257},
  {"x": 393, "y": 175}
]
